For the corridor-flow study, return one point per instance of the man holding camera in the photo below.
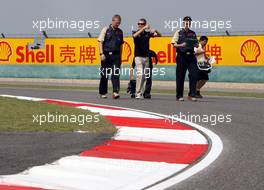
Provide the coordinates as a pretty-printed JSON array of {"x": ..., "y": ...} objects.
[{"x": 141, "y": 41}]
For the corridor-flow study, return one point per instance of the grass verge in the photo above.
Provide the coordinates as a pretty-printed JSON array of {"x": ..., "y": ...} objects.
[{"x": 21, "y": 115}]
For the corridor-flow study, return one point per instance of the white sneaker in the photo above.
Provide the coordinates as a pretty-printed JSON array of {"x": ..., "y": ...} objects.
[
  {"x": 193, "y": 99},
  {"x": 139, "y": 96},
  {"x": 180, "y": 99},
  {"x": 116, "y": 95},
  {"x": 103, "y": 96}
]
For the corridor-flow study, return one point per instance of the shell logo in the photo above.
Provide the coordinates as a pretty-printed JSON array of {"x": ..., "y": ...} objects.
[
  {"x": 127, "y": 52},
  {"x": 5, "y": 51},
  {"x": 250, "y": 51}
]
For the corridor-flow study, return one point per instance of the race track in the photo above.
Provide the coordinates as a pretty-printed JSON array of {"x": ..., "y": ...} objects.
[{"x": 240, "y": 166}]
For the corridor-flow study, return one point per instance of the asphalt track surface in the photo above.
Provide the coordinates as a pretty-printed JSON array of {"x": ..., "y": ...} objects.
[
  {"x": 19, "y": 151},
  {"x": 240, "y": 166}
]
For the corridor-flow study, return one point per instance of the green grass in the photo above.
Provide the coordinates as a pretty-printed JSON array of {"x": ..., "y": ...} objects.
[
  {"x": 161, "y": 91},
  {"x": 18, "y": 115},
  {"x": 48, "y": 87}
]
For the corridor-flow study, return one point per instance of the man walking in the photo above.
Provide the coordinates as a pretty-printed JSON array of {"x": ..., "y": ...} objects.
[
  {"x": 141, "y": 41},
  {"x": 185, "y": 40},
  {"x": 132, "y": 83},
  {"x": 110, "y": 46}
]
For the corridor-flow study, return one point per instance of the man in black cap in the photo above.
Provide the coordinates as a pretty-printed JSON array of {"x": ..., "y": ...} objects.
[
  {"x": 185, "y": 40},
  {"x": 110, "y": 45}
]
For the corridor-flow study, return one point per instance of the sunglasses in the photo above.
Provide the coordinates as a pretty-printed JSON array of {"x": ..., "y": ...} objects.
[{"x": 141, "y": 23}]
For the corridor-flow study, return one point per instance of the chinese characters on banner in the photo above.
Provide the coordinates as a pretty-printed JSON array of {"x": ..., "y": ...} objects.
[
  {"x": 85, "y": 54},
  {"x": 214, "y": 50}
]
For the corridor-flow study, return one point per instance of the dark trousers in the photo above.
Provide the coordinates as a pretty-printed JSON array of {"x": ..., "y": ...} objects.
[
  {"x": 148, "y": 81},
  {"x": 110, "y": 67},
  {"x": 186, "y": 62}
]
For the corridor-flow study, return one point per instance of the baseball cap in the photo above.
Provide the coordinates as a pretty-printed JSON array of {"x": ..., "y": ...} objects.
[{"x": 187, "y": 18}]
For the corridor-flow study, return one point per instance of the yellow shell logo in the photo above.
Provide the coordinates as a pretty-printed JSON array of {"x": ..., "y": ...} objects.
[
  {"x": 5, "y": 51},
  {"x": 127, "y": 52},
  {"x": 250, "y": 51}
]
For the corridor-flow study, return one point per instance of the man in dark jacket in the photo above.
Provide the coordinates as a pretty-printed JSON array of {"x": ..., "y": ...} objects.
[{"x": 110, "y": 45}]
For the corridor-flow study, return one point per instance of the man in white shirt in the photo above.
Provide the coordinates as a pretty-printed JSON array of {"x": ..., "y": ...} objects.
[{"x": 201, "y": 57}]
